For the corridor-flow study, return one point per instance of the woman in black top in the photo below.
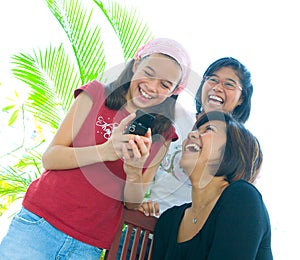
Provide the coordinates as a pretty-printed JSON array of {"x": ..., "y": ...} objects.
[{"x": 227, "y": 218}]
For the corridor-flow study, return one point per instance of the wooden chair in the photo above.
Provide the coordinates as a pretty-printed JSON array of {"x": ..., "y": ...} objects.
[{"x": 142, "y": 227}]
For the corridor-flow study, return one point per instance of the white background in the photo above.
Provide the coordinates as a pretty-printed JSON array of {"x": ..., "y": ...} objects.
[{"x": 264, "y": 35}]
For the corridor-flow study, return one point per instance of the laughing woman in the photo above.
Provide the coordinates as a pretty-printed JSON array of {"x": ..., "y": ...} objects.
[{"x": 227, "y": 218}]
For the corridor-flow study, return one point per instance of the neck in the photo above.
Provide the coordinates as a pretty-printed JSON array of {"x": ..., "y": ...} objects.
[{"x": 207, "y": 196}]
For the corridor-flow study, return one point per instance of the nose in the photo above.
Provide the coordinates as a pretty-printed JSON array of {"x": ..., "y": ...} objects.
[
  {"x": 218, "y": 86},
  {"x": 153, "y": 85},
  {"x": 193, "y": 134}
]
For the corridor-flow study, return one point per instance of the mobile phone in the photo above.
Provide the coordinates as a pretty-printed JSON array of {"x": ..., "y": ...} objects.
[{"x": 141, "y": 123}]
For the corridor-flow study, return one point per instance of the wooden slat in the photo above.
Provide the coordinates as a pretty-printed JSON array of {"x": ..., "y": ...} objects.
[{"x": 140, "y": 224}]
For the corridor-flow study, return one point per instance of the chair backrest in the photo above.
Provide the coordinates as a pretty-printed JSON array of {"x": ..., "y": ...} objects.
[{"x": 141, "y": 228}]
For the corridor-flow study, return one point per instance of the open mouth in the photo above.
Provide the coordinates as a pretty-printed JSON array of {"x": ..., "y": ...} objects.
[
  {"x": 144, "y": 94},
  {"x": 215, "y": 99},
  {"x": 192, "y": 148}
]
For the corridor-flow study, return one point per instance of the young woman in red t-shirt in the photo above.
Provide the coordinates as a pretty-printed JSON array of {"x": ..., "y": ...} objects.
[{"x": 92, "y": 168}]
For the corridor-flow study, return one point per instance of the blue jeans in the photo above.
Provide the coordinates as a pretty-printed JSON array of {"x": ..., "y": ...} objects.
[{"x": 31, "y": 237}]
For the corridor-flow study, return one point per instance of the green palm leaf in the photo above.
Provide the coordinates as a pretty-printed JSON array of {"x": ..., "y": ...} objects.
[
  {"x": 13, "y": 183},
  {"x": 85, "y": 42},
  {"x": 51, "y": 77},
  {"x": 131, "y": 31},
  {"x": 32, "y": 159}
]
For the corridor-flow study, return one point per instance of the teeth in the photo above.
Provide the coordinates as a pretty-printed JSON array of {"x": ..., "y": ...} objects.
[
  {"x": 215, "y": 98},
  {"x": 145, "y": 95},
  {"x": 192, "y": 147}
]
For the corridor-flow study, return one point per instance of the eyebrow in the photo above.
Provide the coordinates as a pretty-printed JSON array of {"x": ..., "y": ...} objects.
[
  {"x": 202, "y": 121},
  {"x": 230, "y": 79},
  {"x": 154, "y": 71},
  {"x": 150, "y": 68},
  {"x": 208, "y": 123}
]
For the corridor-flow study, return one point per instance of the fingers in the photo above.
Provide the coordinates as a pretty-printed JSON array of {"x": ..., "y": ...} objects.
[
  {"x": 140, "y": 145},
  {"x": 150, "y": 208},
  {"x": 148, "y": 133},
  {"x": 137, "y": 147},
  {"x": 124, "y": 123},
  {"x": 132, "y": 147},
  {"x": 117, "y": 137}
]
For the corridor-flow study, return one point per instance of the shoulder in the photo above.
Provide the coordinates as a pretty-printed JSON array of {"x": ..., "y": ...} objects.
[
  {"x": 242, "y": 188},
  {"x": 174, "y": 212},
  {"x": 241, "y": 204},
  {"x": 94, "y": 89},
  {"x": 242, "y": 196}
]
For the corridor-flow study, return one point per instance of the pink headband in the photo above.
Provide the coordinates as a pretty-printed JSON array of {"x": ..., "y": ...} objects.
[{"x": 174, "y": 50}]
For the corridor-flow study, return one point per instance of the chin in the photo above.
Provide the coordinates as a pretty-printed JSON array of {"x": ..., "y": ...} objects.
[
  {"x": 181, "y": 163},
  {"x": 186, "y": 168},
  {"x": 214, "y": 108}
]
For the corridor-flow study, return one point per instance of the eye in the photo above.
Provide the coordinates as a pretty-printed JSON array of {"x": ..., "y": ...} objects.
[
  {"x": 210, "y": 128},
  {"x": 207, "y": 128},
  {"x": 148, "y": 74},
  {"x": 166, "y": 85},
  {"x": 229, "y": 85},
  {"x": 213, "y": 80}
]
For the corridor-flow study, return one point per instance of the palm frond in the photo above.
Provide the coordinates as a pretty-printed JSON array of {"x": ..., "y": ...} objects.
[
  {"x": 131, "y": 31},
  {"x": 16, "y": 179},
  {"x": 85, "y": 42},
  {"x": 13, "y": 183},
  {"x": 51, "y": 77},
  {"x": 32, "y": 159}
]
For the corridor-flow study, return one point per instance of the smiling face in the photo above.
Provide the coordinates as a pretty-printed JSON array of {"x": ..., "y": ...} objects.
[
  {"x": 216, "y": 96},
  {"x": 155, "y": 78},
  {"x": 203, "y": 147}
]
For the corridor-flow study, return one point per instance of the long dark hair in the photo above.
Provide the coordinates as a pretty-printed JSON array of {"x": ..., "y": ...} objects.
[
  {"x": 116, "y": 98},
  {"x": 242, "y": 155},
  {"x": 242, "y": 111}
]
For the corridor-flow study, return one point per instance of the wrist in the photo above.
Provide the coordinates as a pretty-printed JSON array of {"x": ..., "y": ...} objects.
[
  {"x": 134, "y": 177},
  {"x": 105, "y": 153}
]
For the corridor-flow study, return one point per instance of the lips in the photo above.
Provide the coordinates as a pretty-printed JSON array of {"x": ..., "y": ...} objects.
[
  {"x": 215, "y": 99},
  {"x": 144, "y": 94},
  {"x": 195, "y": 148}
]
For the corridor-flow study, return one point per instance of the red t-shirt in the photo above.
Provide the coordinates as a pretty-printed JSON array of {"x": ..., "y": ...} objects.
[{"x": 86, "y": 203}]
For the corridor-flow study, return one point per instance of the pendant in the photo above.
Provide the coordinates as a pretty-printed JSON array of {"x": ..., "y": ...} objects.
[{"x": 194, "y": 220}]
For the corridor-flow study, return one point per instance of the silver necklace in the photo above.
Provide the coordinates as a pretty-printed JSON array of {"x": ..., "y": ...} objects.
[{"x": 195, "y": 220}]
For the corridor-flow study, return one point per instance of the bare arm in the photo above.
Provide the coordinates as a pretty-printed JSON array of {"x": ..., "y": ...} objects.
[
  {"x": 138, "y": 183},
  {"x": 59, "y": 154}
]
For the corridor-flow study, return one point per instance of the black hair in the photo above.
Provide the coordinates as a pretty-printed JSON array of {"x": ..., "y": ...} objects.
[
  {"x": 242, "y": 111},
  {"x": 242, "y": 155},
  {"x": 116, "y": 98}
]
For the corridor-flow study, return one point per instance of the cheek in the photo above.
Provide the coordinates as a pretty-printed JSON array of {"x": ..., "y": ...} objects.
[
  {"x": 204, "y": 93},
  {"x": 217, "y": 148},
  {"x": 136, "y": 76},
  {"x": 161, "y": 97},
  {"x": 238, "y": 98},
  {"x": 232, "y": 102}
]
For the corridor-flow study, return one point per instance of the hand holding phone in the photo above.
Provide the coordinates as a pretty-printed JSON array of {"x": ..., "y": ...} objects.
[{"x": 140, "y": 124}]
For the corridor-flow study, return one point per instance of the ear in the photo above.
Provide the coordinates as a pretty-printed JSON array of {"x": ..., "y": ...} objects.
[
  {"x": 135, "y": 64},
  {"x": 241, "y": 100},
  {"x": 178, "y": 90}
]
